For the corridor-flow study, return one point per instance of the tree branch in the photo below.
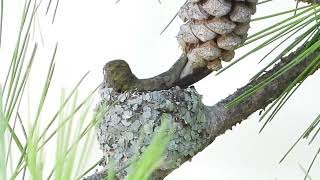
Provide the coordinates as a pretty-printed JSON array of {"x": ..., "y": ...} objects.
[
  {"x": 118, "y": 75},
  {"x": 218, "y": 119}
]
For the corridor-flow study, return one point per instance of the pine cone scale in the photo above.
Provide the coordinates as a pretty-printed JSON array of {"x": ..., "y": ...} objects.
[{"x": 212, "y": 30}]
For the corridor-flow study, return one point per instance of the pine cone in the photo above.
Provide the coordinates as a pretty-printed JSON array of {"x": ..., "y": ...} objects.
[{"x": 212, "y": 30}]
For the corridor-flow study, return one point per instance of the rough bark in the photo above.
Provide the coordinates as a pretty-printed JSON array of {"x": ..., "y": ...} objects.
[
  {"x": 218, "y": 118},
  {"x": 309, "y": 1},
  {"x": 221, "y": 118},
  {"x": 118, "y": 75}
]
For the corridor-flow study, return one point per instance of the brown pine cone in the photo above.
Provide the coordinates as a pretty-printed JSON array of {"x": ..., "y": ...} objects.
[{"x": 212, "y": 30}]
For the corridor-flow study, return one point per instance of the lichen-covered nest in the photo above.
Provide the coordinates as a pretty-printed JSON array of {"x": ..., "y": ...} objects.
[{"x": 133, "y": 118}]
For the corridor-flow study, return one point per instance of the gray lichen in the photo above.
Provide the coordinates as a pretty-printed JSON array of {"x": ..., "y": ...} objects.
[{"x": 133, "y": 118}]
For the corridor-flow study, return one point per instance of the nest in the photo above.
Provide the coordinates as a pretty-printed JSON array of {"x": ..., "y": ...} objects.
[{"x": 133, "y": 118}]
